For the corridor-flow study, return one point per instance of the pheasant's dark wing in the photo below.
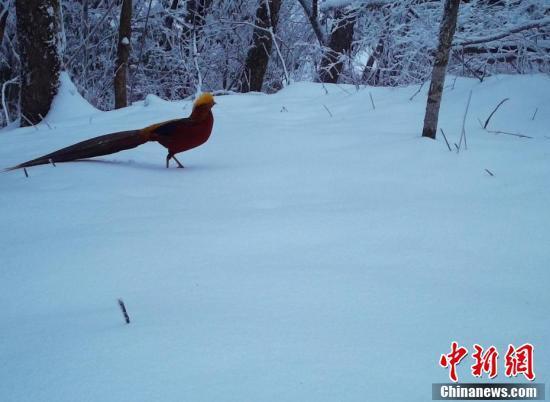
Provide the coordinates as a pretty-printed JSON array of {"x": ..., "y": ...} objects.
[{"x": 172, "y": 127}]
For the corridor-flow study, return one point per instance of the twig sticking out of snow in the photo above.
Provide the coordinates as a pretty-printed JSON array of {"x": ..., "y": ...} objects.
[
  {"x": 446, "y": 142},
  {"x": 341, "y": 88},
  {"x": 490, "y": 173},
  {"x": 534, "y": 114},
  {"x": 493, "y": 112},
  {"x": 454, "y": 82},
  {"x": 463, "y": 132},
  {"x": 507, "y": 133},
  {"x": 326, "y": 108},
  {"x": 28, "y": 121},
  {"x": 372, "y": 101},
  {"x": 484, "y": 127},
  {"x": 124, "y": 312},
  {"x": 417, "y": 91},
  {"x": 44, "y": 120}
]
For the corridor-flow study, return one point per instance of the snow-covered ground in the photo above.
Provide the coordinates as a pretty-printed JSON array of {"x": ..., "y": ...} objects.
[{"x": 299, "y": 256}]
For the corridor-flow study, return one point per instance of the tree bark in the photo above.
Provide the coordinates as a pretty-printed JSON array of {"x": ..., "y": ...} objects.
[
  {"x": 195, "y": 18},
  {"x": 339, "y": 43},
  {"x": 169, "y": 24},
  {"x": 40, "y": 48},
  {"x": 197, "y": 11},
  {"x": 369, "y": 73},
  {"x": 3, "y": 19},
  {"x": 170, "y": 20},
  {"x": 446, "y": 33},
  {"x": 85, "y": 30},
  {"x": 123, "y": 54},
  {"x": 257, "y": 59},
  {"x": 312, "y": 16}
]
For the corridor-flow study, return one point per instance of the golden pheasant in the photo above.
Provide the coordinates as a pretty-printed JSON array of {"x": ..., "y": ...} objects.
[{"x": 176, "y": 135}]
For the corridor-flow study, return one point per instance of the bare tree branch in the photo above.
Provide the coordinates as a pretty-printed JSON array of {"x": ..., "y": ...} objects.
[
  {"x": 493, "y": 112},
  {"x": 530, "y": 25}
]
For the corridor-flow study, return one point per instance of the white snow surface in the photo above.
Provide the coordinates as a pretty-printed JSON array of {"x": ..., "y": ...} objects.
[
  {"x": 69, "y": 104},
  {"x": 297, "y": 257}
]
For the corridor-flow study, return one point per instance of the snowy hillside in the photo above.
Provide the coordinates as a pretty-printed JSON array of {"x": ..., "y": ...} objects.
[{"x": 314, "y": 249}]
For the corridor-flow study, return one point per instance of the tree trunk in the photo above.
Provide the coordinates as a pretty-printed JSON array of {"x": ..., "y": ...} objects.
[
  {"x": 369, "y": 73},
  {"x": 3, "y": 19},
  {"x": 195, "y": 18},
  {"x": 312, "y": 16},
  {"x": 197, "y": 10},
  {"x": 446, "y": 33},
  {"x": 170, "y": 20},
  {"x": 257, "y": 59},
  {"x": 40, "y": 48},
  {"x": 123, "y": 53},
  {"x": 169, "y": 24},
  {"x": 84, "y": 31},
  {"x": 339, "y": 43}
]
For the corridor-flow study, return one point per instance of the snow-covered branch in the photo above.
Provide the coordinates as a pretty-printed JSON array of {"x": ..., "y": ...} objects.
[{"x": 519, "y": 28}]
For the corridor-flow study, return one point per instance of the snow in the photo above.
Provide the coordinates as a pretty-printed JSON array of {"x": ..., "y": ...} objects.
[
  {"x": 297, "y": 257},
  {"x": 69, "y": 104}
]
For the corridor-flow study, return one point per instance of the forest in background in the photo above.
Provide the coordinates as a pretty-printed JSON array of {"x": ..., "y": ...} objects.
[{"x": 175, "y": 48}]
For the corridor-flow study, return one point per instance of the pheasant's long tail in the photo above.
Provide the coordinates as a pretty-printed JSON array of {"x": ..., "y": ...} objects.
[{"x": 98, "y": 146}]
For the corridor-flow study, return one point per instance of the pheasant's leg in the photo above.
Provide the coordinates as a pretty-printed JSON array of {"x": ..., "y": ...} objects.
[
  {"x": 178, "y": 162},
  {"x": 168, "y": 160}
]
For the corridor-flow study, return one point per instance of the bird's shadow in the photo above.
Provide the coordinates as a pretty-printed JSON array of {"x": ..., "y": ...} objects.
[{"x": 144, "y": 165}]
